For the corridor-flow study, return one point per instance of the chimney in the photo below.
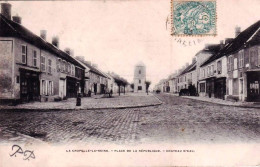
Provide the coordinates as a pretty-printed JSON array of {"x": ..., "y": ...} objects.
[
  {"x": 67, "y": 50},
  {"x": 94, "y": 65},
  {"x": 88, "y": 62},
  {"x": 237, "y": 31},
  {"x": 221, "y": 44},
  {"x": 43, "y": 34},
  {"x": 227, "y": 40},
  {"x": 6, "y": 10},
  {"x": 193, "y": 59},
  {"x": 207, "y": 46},
  {"x": 80, "y": 58},
  {"x": 17, "y": 19},
  {"x": 55, "y": 41}
]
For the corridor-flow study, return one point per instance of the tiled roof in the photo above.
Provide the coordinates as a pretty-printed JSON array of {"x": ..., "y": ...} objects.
[
  {"x": 215, "y": 50},
  {"x": 118, "y": 79},
  {"x": 249, "y": 37},
  {"x": 94, "y": 70},
  {"x": 9, "y": 28},
  {"x": 191, "y": 67}
]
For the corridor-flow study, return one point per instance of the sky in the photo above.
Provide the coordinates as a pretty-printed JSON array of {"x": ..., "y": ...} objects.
[{"x": 116, "y": 35}]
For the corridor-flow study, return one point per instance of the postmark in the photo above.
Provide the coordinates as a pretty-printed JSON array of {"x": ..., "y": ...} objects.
[{"x": 193, "y": 18}]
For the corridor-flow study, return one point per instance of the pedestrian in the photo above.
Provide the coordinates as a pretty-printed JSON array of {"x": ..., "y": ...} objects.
[{"x": 89, "y": 93}]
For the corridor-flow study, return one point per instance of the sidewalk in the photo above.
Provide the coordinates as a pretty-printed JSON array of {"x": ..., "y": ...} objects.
[
  {"x": 222, "y": 102},
  {"x": 129, "y": 100}
]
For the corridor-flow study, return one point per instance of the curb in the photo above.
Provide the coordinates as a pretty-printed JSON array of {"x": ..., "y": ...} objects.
[
  {"x": 67, "y": 109},
  {"x": 233, "y": 105},
  {"x": 81, "y": 108}
]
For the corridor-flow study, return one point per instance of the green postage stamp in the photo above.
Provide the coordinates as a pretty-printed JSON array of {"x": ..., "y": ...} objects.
[{"x": 193, "y": 18}]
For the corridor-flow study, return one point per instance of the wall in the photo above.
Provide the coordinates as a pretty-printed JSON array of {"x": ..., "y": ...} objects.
[
  {"x": 138, "y": 76},
  {"x": 6, "y": 68}
]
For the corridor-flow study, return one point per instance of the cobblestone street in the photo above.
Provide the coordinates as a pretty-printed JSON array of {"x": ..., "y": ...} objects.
[{"x": 177, "y": 120}]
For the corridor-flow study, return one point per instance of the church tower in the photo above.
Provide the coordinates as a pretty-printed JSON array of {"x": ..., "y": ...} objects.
[{"x": 140, "y": 78}]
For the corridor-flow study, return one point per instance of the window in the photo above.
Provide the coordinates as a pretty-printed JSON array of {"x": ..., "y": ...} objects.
[
  {"x": 44, "y": 92},
  {"x": 73, "y": 70},
  {"x": 219, "y": 67},
  {"x": 69, "y": 68},
  {"x": 235, "y": 63},
  {"x": 66, "y": 67},
  {"x": 202, "y": 87},
  {"x": 230, "y": 63},
  {"x": 43, "y": 65},
  {"x": 58, "y": 62},
  {"x": 253, "y": 57},
  {"x": 50, "y": 91},
  {"x": 208, "y": 71},
  {"x": 139, "y": 81},
  {"x": 34, "y": 58},
  {"x": 139, "y": 71},
  {"x": 49, "y": 66},
  {"x": 139, "y": 87},
  {"x": 212, "y": 69},
  {"x": 203, "y": 73},
  {"x": 259, "y": 56},
  {"x": 254, "y": 87},
  {"x": 241, "y": 59},
  {"x": 24, "y": 54},
  {"x": 63, "y": 66}
]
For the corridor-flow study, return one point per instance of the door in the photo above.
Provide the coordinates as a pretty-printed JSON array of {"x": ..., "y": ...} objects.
[
  {"x": 29, "y": 86},
  {"x": 253, "y": 86},
  {"x": 240, "y": 89},
  {"x": 62, "y": 90}
]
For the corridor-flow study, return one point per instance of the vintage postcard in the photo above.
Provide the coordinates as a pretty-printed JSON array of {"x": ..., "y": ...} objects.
[{"x": 130, "y": 83}]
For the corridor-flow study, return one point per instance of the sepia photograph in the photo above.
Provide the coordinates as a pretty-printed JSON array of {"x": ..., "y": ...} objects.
[{"x": 129, "y": 83}]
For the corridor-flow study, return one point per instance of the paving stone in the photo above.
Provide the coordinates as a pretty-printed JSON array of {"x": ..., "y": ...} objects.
[{"x": 177, "y": 120}]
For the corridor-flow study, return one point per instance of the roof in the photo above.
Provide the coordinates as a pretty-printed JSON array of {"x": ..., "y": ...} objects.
[
  {"x": 249, "y": 37},
  {"x": 93, "y": 69},
  {"x": 9, "y": 28},
  {"x": 118, "y": 79},
  {"x": 189, "y": 68},
  {"x": 214, "y": 50},
  {"x": 140, "y": 64}
]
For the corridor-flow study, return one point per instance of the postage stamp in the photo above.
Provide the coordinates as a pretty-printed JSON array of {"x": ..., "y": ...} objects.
[{"x": 193, "y": 18}]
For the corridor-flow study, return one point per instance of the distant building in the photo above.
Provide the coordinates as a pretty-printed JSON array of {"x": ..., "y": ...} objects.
[
  {"x": 95, "y": 80},
  {"x": 140, "y": 78}
]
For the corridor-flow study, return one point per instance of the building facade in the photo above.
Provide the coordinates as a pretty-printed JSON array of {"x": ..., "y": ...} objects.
[
  {"x": 140, "y": 78},
  {"x": 243, "y": 65},
  {"x": 33, "y": 69}
]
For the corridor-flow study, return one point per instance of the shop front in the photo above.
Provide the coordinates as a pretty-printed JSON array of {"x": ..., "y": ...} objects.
[
  {"x": 72, "y": 87},
  {"x": 220, "y": 88},
  {"x": 29, "y": 85},
  {"x": 253, "y": 83}
]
